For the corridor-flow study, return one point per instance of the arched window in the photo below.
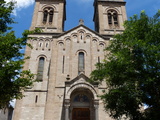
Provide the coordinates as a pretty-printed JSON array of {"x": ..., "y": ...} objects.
[
  {"x": 40, "y": 69},
  {"x": 45, "y": 15},
  {"x": 112, "y": 18},
  {"x": 80, "y": 62},
  {"x": 109, "y": 18},
  {"x": 115, "y": 18},
  {"x": 48, "y": 15}
]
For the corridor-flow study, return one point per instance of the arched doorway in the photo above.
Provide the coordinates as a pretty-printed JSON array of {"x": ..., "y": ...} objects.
[
  {"x": 81, "y": 104},
  {"x": 81, "y": 101}
]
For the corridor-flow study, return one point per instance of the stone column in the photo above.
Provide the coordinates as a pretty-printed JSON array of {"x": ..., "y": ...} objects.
[
  {"x": 96, "y": 105},
  {"x": 67, "y": 104},
  {"x": 66, "y": 112}
]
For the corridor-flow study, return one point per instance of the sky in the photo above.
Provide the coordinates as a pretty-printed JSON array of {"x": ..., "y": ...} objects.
[{"x": 77, "y": 9}]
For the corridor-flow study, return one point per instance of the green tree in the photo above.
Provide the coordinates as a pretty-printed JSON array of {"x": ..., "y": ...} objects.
[
  {"x": 131, "y": 70},
  {"x": 12, "y": 79}
]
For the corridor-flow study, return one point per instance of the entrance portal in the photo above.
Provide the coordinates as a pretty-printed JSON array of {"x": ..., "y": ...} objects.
[
  {"x": 81, "y": 114},
  {"x": 81, "y": 107}
]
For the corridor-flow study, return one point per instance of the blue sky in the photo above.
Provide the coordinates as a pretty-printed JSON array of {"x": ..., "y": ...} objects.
[{"x": 78, "y": 9}]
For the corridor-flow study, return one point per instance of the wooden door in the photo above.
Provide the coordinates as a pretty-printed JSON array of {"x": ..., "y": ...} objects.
[{"x": 81, "y": 114}]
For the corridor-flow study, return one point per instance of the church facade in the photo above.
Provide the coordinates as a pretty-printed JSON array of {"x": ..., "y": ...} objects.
[{"x": 63, "y": 61}]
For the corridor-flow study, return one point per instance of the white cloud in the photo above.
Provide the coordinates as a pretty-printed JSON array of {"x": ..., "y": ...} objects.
[{"x": 20, "y": 4}]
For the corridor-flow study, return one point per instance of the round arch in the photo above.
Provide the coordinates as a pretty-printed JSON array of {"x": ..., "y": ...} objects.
[
  {"x": 41, "y": 55},
  {"x": 80, "y": 102},
  {"x": 82, "y": 86},
  {"x": 111, "y": 8},
  {"x": 81, "y": 50},
  {"x": 51, "y": 6}
]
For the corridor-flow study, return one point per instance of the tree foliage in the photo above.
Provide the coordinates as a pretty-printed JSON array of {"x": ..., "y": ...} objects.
[
  {"x": 12, "y": 79},
  {"x": 131, "y": 70}
]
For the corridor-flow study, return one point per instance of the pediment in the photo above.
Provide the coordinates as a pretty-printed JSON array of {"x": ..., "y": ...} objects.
[
  {"x": 82, "y": 78},
  {"x": 80, "y": 28},
  {"x": 82, "y": 36}
]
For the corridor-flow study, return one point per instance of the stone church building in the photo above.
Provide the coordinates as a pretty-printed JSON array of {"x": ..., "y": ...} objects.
[{"x": 63, "y": 61}]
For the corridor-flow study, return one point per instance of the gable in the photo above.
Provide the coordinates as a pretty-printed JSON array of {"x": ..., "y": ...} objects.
[
  {"x": 82, "y": 34},
  {"x": 81, "y": 78},
  {"x": 85, "y": 28}
]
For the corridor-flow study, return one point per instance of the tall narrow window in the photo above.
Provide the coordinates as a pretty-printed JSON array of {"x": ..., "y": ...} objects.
[
  {"x": 45, "y": 15},
  {"x": 40, "y": 44},
  {"x": 98, "y": 59},
  {"x": 49, "y": 68},
  {"x": 36, "y": 99},
  {"x": 109, "y": 18},
  {"x": 63, "y": 64},
  {"x": 50, "y": 16},
  {"x": 115, "y": 18},
  {"x": 40, "y": 69},
  {"x": 81, "y": 62},
  {"x": 46, "y": 45}
]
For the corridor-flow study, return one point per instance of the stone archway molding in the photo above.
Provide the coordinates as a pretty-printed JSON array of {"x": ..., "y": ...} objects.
[{"x": 82, "y": 85}]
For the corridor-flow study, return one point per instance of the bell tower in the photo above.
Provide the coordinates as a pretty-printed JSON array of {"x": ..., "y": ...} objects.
[
  {"x": 109, "y": 16},
  {"x": 49, "y": 15}
]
